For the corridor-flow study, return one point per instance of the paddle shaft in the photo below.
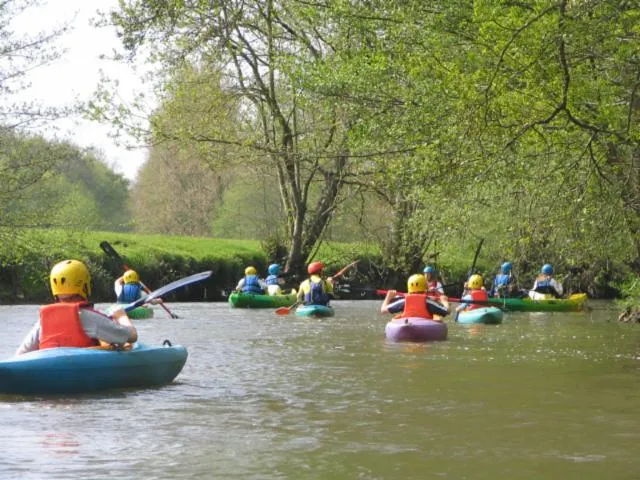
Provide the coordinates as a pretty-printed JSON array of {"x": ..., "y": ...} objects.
[
  {"x": 475, "y": 258},
  {"x": 109, "y": 250},
  {"x": 341, "y": 272}
]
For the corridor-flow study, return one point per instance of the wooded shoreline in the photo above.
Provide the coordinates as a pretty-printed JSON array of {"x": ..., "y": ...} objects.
[{"x": 162, "y": 259}]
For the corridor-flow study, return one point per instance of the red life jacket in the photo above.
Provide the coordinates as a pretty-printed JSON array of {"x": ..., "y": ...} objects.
[
  {"x": 478, "y": 295},
  {"x": 60, "y": 326},
  {"x": 415, "y": 305}
]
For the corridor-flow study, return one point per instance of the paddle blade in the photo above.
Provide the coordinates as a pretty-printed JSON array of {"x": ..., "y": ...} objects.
[
  {"x": 283, "y": 311},
  {"x": 286, "y": 310},
  {"x": 109, "y": 250},
  {"x": 183, "y": 282}
]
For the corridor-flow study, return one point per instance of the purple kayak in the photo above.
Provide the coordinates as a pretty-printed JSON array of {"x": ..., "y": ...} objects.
[{"x": 414, "y": 329}]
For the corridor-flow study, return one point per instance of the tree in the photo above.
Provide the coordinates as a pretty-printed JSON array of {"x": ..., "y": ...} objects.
[
  {"x": 18, "y": 56},
  {"x": 261, "y": 50}
]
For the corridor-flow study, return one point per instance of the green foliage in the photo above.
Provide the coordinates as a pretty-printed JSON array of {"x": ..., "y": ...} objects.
[
  {"x": 417, "y": 127},
  {"x": 48, "y": 183}
]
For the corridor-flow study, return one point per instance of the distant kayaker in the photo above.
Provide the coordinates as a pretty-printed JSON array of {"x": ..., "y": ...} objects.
[
  {"x": 251, "y": 283},
  {"x": 316, "y": 290},
  {"x": 72, "y": 321},
  {"x": 476, "y": 293},
  {"x": 433, "y": 285},
  {"x": 128, "y": 287},
  {"x": 274, "y": 281},
  {"x": 417, "y": 303},
  {"x": 504, "y": 284},
  {"x": 545, "y": 284}
]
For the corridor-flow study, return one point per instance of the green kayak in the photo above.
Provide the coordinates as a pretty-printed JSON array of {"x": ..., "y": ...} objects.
[
  {"x": 137, "y": 313},
  {"x": 574, "y": 303},
  {"x": 254, "y": 300}
]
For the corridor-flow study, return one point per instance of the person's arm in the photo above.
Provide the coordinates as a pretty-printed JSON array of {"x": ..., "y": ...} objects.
[
  {"x": 463, "y": 305},
  {"x": 116, "y": 330},
  {"x": 300, "y": 297},
  {"x": 117, "y": 285},
  {"x": 557, "y": 286},
  {"x": 328, "y": 286},
  {"x": 387, "y": 300},
  {"x": 445, "y": 302},
  {"x": 392, "y": 307},
  {"x": 32, "y": 341},
  {"x": 240, "y": 284}
]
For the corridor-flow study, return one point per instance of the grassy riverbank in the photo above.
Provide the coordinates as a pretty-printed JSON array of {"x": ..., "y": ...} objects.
[{"x": 27, "y": 256}]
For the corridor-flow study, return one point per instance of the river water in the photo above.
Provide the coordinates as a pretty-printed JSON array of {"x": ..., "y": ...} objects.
[{"x": 542, "y": 396}]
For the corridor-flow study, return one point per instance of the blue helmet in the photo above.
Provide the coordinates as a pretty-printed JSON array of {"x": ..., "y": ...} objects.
[
  {"x": 428, "y": 269},
  {"x": 506, "y": 267},
  {"x": 547, "y": 269},
  {"x": 274, "y": 269}
]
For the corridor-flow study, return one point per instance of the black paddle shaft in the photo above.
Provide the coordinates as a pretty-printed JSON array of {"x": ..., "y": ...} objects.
[
  {"x": 109, "y": 250},
  {"x": 475, "y": 257}
]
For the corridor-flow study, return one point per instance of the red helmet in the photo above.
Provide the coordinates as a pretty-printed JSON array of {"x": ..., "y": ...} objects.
[{"x": 315, "y": 267}]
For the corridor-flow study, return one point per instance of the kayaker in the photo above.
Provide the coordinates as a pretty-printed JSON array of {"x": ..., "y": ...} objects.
[
  {"x": 71, "y": 321},
  {"x": 128, "y": 287},
  {"x": 273, "y": 280},
  {"x": 251, "y": 283},
  {"x": 476, "y": 293},
  {"x": 545, "y": 284},
  {"x": 433, "y": 285},
  {"x": 417, "y": 303},
  {"x": 315, "y": 290},
  {"x": 504, "y": 284}
]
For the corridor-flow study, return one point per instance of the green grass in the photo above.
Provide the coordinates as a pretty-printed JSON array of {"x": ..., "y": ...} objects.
[{"x": 26, "y": 256}]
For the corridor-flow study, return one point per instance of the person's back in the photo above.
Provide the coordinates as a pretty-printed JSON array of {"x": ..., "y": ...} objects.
[
  {"x": 72, "y": 321},
  {"x": 417, "y": 303},
  {"x": 504, "y": 284},
  {"x": 128, "y": 287},
  {"x": 434, "y": 287},
  {"x": 315, "y": 290},
  {"x": 476, "y": 297},
  {"x": 545, "y": 285},
  {"x": 273, "y": 280},
  {"x": 251, "y": 283}
]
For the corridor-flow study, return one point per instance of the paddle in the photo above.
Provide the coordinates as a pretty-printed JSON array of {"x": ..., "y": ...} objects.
[
  {"x": 287, "y": 310},
  {"x": 183, "y": 282},
  {"x": 341, "y": 272},
  {"x": 475, "y": 258},
  {"x": 384, "y": 292},
  {"x": 109, "y": 250}
]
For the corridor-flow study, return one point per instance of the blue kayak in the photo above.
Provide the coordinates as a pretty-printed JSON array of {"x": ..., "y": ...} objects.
[
  {"x": 81, "y": 370},
  {"x": 315, "y": 311},
  {"x": 489, "y": 315}
]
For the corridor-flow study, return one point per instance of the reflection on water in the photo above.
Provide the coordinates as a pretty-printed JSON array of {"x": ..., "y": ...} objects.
[
  {"x": 270, "y": 397},
  {"x": 61, "y": 443}
]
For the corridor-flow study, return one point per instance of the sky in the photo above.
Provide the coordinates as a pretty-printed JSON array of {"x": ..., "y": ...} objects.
[{"x": 76, "y": 74}]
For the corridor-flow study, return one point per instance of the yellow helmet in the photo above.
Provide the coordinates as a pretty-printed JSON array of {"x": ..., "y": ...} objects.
[
  {"x": 417, "y": 283},
  {"x": 475, "y": 282},
  {"x": 131, "y": 276},
  {"x": 70, "y": 277},
  {"x": 250, "y": 271}
]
